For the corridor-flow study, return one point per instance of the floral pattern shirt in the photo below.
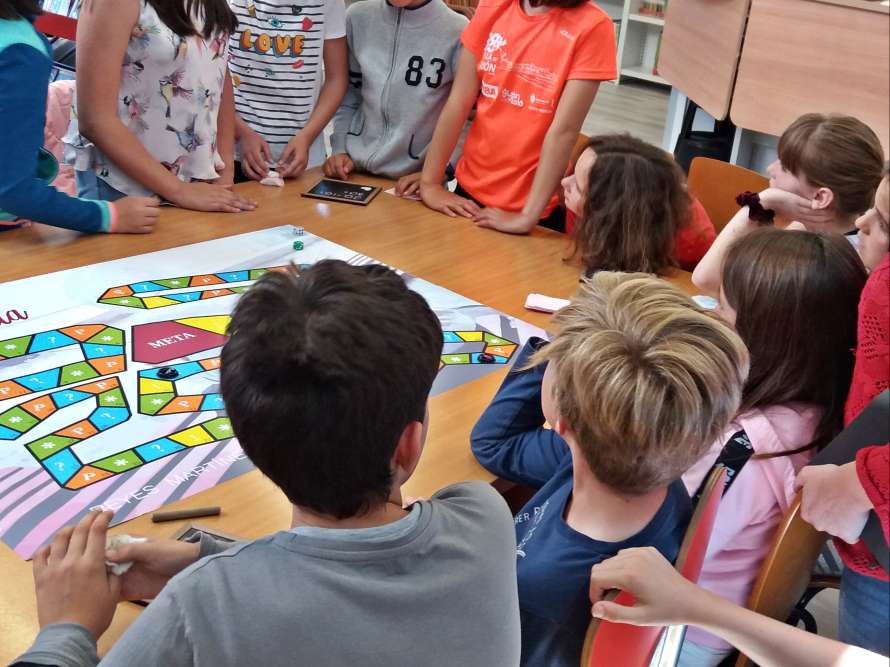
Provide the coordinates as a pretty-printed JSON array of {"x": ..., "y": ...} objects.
[{"x": 169, "y": 97}]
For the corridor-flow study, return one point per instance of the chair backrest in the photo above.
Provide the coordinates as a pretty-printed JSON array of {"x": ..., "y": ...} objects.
[
  {"x": 786, "y": 570},
  {"x": 716, "y": 184},
  {"x": 56, "y": 25},
  {"x": 608, "y": 644}
]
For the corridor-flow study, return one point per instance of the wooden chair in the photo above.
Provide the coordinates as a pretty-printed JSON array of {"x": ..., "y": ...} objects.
[
  {"x": 56, "y": 25},
  {"x": 786, "y": 570},
  {"x": 580, "y": 146},
  {"x": 716, "y": 185},
  {"x": 607, "y": 644}
]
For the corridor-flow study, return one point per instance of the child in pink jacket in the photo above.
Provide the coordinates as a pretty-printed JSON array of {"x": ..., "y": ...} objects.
[{"x": 792, "y": 296}]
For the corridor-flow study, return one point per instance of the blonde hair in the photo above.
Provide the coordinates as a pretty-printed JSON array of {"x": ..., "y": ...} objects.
[
  {"x": 645, "y": 379},
  {"x": 837, "y": 152}
]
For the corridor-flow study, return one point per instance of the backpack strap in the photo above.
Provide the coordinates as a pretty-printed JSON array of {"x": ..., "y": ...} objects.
[{"x": 734, "y": 455}]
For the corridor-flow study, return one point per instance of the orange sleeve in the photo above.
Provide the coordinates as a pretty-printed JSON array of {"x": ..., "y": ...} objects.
[
  {"x": 475, "y": 35},
  {"x": 595, "y": 53}
]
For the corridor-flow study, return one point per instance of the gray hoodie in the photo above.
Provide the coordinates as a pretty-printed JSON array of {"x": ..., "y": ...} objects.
[{"x": 401, "y": 66}]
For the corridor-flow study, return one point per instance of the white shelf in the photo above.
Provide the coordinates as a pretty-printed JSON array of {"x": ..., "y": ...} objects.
[
  {"x": 643, "y": 18},
  {"x": 640, "y": 73}
]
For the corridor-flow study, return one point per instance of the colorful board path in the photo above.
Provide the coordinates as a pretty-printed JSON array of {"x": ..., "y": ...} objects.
[{"x": 103, "y": 404}]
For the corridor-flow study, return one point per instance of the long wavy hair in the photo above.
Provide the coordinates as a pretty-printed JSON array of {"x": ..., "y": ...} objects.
[{"x": 636, "y": 200}]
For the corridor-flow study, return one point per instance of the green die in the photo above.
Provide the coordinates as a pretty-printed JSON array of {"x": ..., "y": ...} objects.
[{"x": 298, "y": 245}]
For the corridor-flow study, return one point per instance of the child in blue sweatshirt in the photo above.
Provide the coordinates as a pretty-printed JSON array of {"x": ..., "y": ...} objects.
[
  {"x": 635, "y": 386},
  {"x": 25, "y": 170}
]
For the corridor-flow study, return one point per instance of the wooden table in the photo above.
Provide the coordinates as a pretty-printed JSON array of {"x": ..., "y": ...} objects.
[
  {"x": 495, "y": 269},
  {"x": 814, "y": 55}
]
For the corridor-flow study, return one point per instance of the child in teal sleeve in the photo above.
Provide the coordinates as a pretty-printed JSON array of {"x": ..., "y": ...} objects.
[{"x": 26, "y": 170}]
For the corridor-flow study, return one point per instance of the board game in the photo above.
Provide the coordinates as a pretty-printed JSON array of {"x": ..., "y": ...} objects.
[{"x": 109, "y": 376}]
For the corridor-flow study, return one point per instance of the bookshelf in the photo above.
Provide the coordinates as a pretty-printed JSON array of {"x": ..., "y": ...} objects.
[{"x": 640, "y": 40}]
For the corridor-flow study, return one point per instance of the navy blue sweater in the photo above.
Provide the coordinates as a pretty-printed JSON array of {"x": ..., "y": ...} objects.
[
  {"x": 24, "y": 74},
  {"x": 553, "y": 560}
]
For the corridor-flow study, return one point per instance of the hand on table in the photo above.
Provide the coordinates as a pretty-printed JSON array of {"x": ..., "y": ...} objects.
[
  {"x": 154, "y": 563},
  {"x": 833, "y": 500},
  {"x": 792, "y": 207},
  {"x": 198, "y": 196},
  {"x": 136, "y": 215},
  {"x": 663, "y": 596},
  {"x": 255, "y": 153},
  {"x": 294, "y": 158},
  {"x": 409, "y": 185},
  {"x": 503, "y": 221},
  {"x": 439, "y": 199},
  {"x": 71, "y": 579},
  {"x": 339, "y": 165}
]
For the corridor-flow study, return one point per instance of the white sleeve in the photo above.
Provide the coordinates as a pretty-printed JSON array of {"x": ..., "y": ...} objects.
[{"x": 334, "y": 19}]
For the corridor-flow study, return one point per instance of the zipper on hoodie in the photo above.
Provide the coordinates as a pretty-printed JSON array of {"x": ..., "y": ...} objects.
[{"x": 392, "y": 66}]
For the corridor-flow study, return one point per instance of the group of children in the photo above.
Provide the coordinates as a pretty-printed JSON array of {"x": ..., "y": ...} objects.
[{"x": 643, "y": 390}]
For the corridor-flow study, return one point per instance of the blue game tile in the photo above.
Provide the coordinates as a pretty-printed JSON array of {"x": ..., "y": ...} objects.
[
  {"x": 37, "y": 381},
  {"x": 63, "y": 399},
  {"x": 157, "y": 449},
  {"x": 184, "y": 297},
  {"x": 234, "y": 276},
  {"x": 146, "y": 286},
  {"x": 104, "y": 418},
  {"x": 451, "y": 337},
  {"x": 94, "y": 351},
  {"x": 49, "y": 340},
  {"x": 62, "y": 466},
  {"x": 8, "y": 433},
  {"x": 212, "y": 402}
]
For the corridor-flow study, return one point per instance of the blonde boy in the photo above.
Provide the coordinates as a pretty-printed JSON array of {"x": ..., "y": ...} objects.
[{"x": 636, "y": 385}]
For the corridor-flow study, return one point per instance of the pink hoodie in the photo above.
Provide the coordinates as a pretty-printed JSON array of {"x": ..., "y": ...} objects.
[{"x": 756, "y": 502}]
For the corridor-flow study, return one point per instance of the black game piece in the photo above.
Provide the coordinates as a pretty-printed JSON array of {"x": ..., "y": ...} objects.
[
  {"x": 296, "y": 9},
  {"x": 486, "y": 358},
  {"x": 168, "y": 373}
]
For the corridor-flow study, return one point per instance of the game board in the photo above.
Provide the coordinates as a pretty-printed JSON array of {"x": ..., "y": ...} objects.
[{"x": 109, "y": 376}]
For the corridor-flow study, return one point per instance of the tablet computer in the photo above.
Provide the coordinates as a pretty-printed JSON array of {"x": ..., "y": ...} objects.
[{"x": 343, "y": 191}]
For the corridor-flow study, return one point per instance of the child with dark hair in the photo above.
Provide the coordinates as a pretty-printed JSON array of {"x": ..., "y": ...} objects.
[
  {"x": 26, "y": 170},
  {"x": 792, "y": 296},
  {"x": 358, "y": 577},
  {"x": 633, "y": 210},
  {"x": 635, "y": 385},
  {"x": 155, "y": 111},
  {"x": 532, "y": 68}
]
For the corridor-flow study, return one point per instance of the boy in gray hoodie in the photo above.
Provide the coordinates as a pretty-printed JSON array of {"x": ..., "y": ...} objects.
[{"x": 402, "y": 60}]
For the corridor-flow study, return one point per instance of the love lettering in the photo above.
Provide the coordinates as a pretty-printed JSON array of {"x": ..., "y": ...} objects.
[
  {"x": 13, "y": 315},
  {"x": 279, "y": 44}
]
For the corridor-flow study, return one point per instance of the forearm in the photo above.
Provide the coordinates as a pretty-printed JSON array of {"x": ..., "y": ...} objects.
[
  {"x": 225, "y": 131},
  {"x": 448, "y": 130},
  {"x": 36, "y": 200},
  {"x": 126, "y": 151},
  {"x": 708, "y": 275},
  {"x": 61, "y": 645},
  {"x": 555, "y": 154},
  {"x": 771, "y": 643},
  {"x": 328, "y": 102}
]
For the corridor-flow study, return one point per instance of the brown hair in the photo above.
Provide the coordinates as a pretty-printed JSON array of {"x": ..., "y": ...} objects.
[
  {"x": 177, "y": 15},
  {"x": 565, "y": 4},
  {"x": 636, "y": 200},
  {"x": 11, "y": 10},
  {"x": 322, "y": 373},
  {"x": 837, "y": 152},
  {"x": 796, "y": 295},
  {"x": 645, "y": 379}
]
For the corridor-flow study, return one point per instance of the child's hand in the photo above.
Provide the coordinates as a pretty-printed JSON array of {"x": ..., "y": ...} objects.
[
  {"x": 71, "y": 580},
  {"x": 833, "y": 500},
  {"x": 440, "y": 199},
  {"x": 255, "y": 153},
  {"x": 153, "y": 565},
  {"x": 136, "y": 215},
  {"x": 339, "y": 165},
  {"x": 511, "y": 223},
  {"x": 207, "y": 197},
  {"x": 663, "y": 596},
  {"x": 294, "y": 158},
  {"x": 409, "y": 185},
  {"x": 791, "y": 207}
]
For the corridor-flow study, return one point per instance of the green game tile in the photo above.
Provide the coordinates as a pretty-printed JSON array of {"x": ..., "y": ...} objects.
[
  {"x": 78, "y": 372},
  {"x": 49, "y": 445},
  {"x": 15, "y": 347},
  {"x": 153, "y": 403},
  {"x": 220, "y": 428},
  {"x": 112, "y": 399},
  {"x": 18, "y": 420},
  {"x": 118, "y": 462},
  {"x": 109, "y": 336},
  {"x": 449, "y": 359},
  {"x": 128, "y": 301},
  {"x": 173, "y": 283},
  {"x": 495, "y": 340}
]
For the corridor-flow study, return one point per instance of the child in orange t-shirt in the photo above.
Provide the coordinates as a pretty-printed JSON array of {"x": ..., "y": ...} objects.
[{"x": 537, "y": 65}]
